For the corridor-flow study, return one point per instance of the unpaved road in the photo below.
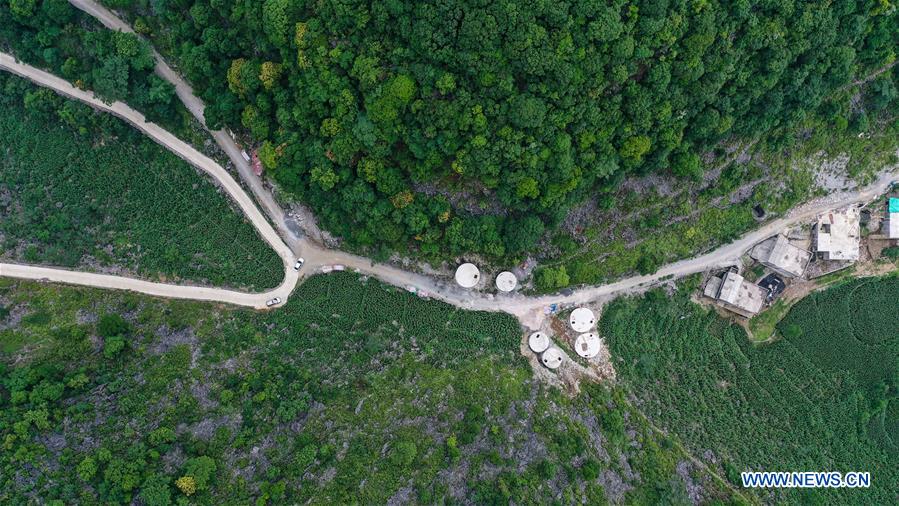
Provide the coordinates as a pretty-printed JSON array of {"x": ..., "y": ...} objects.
[
  {"x": 186, "y": 152},
  {"x": 529, "y": 310}
]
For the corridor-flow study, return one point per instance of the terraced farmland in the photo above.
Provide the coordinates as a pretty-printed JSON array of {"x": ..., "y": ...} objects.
[
  {"x": 81, "y": 189},
  {"x": 823, "y": 400}
]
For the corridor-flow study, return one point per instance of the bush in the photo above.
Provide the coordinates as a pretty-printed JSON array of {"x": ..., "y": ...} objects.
[
  {"x": 111, "y": 324},
  {"x": 113, "y": 345},
  {"x": 187, "y": 485},
  {"x": 403, "y": 454}
]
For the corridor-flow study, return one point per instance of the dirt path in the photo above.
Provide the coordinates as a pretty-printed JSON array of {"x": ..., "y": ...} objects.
[{"x": 529, "y": 310}]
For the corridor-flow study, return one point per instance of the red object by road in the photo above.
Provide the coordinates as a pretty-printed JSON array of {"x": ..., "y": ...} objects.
[{"x": 256, "y": 164}]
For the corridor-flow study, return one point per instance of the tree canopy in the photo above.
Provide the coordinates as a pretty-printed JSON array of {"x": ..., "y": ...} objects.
[{"x": 441, "y": 125}]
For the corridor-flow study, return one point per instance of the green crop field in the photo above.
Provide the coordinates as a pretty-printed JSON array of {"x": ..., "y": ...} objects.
[
  {"x": 822, "y": 399},
  {"x": 353, "y": 393},
  {"x": 84, "y": 190}
]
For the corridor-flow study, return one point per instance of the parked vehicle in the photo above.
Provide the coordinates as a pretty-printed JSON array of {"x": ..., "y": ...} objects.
[
  {"x": 300, "y": 262},
  {"x": 339, "y": 267},
  {"x": 273, "y": 302}
]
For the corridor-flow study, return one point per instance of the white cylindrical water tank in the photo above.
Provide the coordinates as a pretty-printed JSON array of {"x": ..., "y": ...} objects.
[
  {"x": 582, "y": 319},
  {"x": 467, "y": 275},
  {"x": 587, "y": 345},
  {"x": 506, "y": 281},
  {"x": 551, "y": 358},
  {"x": 538, "y": 342}
]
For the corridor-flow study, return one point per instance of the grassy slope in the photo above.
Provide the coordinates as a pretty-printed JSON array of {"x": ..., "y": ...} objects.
[
  {"x": 106, "y": 198},
  {"x": 800, "y": 404},
  {"x": 353, "y": 392}
]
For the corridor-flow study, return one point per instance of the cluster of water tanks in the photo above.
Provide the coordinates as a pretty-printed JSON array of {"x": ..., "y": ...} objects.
[
  {"x": 468, "y": 276},
  {"x": 587, "y": 344}
]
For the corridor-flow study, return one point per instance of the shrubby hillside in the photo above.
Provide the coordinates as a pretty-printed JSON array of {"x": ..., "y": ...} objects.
[
  {"x": 92, "y": 193},
  {"x": 352, "y": 393},
  {"x": 825, "y": 397},
  {"x": 470, "y": 126}
]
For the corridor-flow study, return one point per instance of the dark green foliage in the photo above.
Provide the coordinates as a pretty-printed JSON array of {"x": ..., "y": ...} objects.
[
  {"x": 117, "y": 66},
  {"x": 519, "y": 109},
  {"x": 92, "y": 191},
  {"x": 892, "y": 252},
  {"x": 112, "y": 324},
  {"x": 822, "y": 394}
]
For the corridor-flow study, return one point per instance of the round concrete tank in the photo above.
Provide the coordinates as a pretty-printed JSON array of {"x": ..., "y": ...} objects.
[
  {"x": 467, "y": 275},
  {"x": 551, "y": 358},
  {"x": 506, "y": 281},
  {"x": 538, "y": 342},
  {"x": 582, "y": 319}
]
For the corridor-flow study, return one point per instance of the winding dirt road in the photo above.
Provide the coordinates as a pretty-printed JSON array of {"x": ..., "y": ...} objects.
[
  {"x": 289, "y": 242},
  {"x": 185, "y": 151}
]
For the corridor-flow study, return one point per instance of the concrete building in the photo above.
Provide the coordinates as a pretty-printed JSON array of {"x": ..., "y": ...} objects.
[
  {"x": 735, "y": 294},
  {"x": 891, "y": 220},
  {"x": 778, "y": 254},
  {"x": 836, "y": 235}
]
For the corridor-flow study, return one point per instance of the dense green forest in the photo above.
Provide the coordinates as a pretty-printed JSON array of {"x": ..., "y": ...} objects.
[
  {"x": 83, "y": 189},
  {"x": 466, "y": 126},
  {"x": 116, "y": 66},
  {"x": 826, "y": 397},
  {"x": 353, "y": 393}
]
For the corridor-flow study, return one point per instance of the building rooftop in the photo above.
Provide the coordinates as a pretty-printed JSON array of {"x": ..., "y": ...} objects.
[
  {"x": 778, "y": 254},
  {"x": 735, "y": 294},
  {"x": 891, "y": 222},
  {"x": 837, "y": 234}
]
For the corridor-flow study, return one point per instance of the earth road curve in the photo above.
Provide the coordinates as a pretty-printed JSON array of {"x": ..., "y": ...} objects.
[
  {"x": 196, "y": 107},
  {"x": 528, "y": 309},
  {"x": 194, "y": 157}
]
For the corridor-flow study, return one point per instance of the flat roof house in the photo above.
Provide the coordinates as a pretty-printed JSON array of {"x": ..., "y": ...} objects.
[
  {"x": 778, "y": 254},
  {"x": 891, "y": 221},
  {"x": 837, "y": 233},
  {"x": 734, "y": 294}
]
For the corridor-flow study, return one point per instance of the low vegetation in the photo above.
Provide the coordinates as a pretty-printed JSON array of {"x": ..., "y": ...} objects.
[
  {"x": 822, "y": 398},
  {"x": 354, "y": 392},
  {"x": 84, "y": 190}
]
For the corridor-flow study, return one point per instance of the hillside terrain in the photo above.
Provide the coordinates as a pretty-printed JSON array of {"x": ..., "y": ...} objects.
[
  {"x": 353, "y": 392},
  {"x": 92, "y": 193},
  {"x": 454, "y": 128},
  {"x": 823, "y": 397}
]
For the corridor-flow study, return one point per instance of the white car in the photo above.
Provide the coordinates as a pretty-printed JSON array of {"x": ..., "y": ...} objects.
[
  {"x": 299, "y": 264},
  {"x": 273, "y": 302}
]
